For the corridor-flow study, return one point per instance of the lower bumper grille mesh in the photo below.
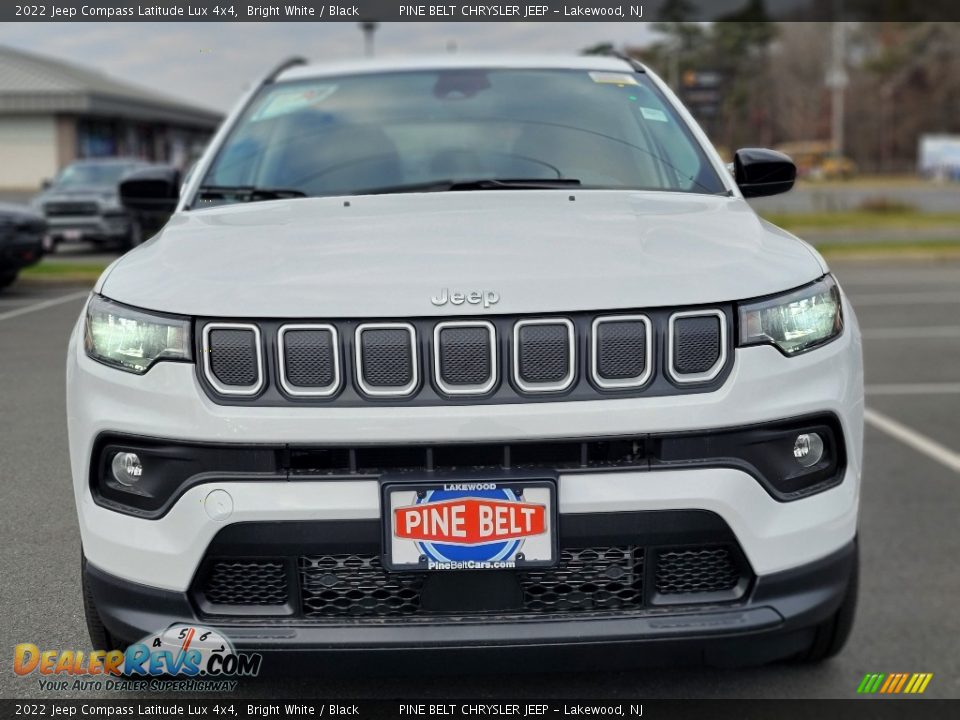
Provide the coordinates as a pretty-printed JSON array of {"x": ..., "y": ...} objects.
[
  {"x": 246, "y": 582},
  {"x": 698, "y": 570},
  {"x": 593, "y": 580}
]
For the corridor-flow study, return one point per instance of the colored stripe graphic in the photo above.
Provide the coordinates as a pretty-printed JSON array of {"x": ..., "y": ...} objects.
[{"x": 894, "y": 683}]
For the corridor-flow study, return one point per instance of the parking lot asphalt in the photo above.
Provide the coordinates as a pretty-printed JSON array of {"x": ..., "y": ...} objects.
[{"x": 910, "y": 538}]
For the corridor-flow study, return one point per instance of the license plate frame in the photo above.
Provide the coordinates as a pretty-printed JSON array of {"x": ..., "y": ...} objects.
[{"x": 496, "y": 554}]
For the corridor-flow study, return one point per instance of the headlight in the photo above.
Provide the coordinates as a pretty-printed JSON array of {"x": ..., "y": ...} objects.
[
  {"x": 794, "y": 322},
  {"x": 133, "y": 340}
]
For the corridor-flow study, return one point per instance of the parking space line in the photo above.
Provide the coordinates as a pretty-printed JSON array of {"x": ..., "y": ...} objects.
[
  {"x": 43, "y": 305},
  {"x": 947, "y": 388},
  {"x": 921, "y": 443},
  {"x": 912, "y": 333},
  {"x": 906, "y": 298}
]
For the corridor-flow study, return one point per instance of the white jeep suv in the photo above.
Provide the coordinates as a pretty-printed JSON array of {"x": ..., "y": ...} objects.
[{"x": 441, "y": 357}]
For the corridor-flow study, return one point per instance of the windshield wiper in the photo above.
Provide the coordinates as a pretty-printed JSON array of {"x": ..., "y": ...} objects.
[
  {"x": 248, "y": 193},
  {"x": 478, "y": 184}
]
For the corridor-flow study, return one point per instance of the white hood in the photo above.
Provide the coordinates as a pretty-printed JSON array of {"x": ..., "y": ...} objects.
[{"x": 388, "y": 255}]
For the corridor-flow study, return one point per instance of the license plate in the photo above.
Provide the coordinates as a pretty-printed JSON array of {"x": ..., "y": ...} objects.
[
  {"x": 72, "y": 234},
  {"x": 475, "y": 525}
]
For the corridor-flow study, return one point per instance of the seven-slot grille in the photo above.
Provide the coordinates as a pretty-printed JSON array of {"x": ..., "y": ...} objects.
[{"x": 500, "y": 359}]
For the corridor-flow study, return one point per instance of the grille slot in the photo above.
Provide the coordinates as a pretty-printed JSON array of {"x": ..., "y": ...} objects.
[
  {"x": 697, "y": 345},
  {"x": 386, "y": 359},
  {"x": 687, "y": 571},
  {"x": 622, "y": 351},
  {"x": 246, "y": 583},
  {"x": 309, "y": 360},
  {"x": 232, "y": 358},
  {"x": 543, "y": 355},
  {"x": 465, "y": 357}
]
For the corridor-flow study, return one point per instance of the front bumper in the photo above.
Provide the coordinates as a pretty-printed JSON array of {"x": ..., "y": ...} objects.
[{"x": 776, "y": 619}]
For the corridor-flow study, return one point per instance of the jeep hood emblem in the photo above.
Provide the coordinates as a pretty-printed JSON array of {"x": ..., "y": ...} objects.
[{"x": 474, "y": 297}]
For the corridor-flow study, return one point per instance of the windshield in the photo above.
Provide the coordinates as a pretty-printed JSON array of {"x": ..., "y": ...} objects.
[
  {"x": 405, "y": 131},
  {"x": 84, "y": 174}
]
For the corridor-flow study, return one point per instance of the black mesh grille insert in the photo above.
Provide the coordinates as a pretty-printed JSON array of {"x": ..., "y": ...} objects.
[
  {"x": 309, "y": 358},
  {"x": 233, "y": 356},
  {"x": 589, "y": 579},
  {"x": 464, "y": 355},
  {"x": 696, "y": 344},
  {"x": 246, "y": 582},
  {"x": 387, "y": 357},
  {"x": 696, "y": 570},
  {"x": 356, "y": 586},
  {"x": 621, "y": 349},
  {"x": 543, "y": 353},
  {"x": 585, "y": 580}
]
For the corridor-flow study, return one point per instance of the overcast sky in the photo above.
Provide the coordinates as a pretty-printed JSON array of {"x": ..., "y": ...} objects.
[{"x": 211, "y": 63}]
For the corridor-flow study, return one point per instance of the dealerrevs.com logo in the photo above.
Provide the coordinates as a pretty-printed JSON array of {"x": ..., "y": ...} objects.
[{"x": 196, "y": 657}]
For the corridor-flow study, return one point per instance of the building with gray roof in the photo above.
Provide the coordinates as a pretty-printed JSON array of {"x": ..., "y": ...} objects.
[{"x": 53, "y": 112}]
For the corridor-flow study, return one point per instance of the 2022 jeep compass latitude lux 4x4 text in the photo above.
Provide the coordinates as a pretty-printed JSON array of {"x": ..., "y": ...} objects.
[{"x": 468, "y": 356}]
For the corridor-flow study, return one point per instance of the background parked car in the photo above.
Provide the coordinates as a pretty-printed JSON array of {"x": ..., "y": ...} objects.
[
  {"x": 21, "y": 240},
  {"x": 82, "y": 203}
]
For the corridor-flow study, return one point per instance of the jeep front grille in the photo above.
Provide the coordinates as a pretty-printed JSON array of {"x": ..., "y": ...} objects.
[{"x": 495, "y": 360}]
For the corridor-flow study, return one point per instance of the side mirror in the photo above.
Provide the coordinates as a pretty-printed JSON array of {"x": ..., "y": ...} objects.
[
  {"x": 151, "y": 190},
  {"x": 46, "y": 184},
  {"x": 761, "y": 172}
]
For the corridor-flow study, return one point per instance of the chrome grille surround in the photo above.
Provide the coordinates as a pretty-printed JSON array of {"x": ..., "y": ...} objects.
[
  {"x": 620, "y": 383},
  {"x": 308, "y": 390},
  {"x": 699, "y": 377},
  {"x": 465, "y": 389},
  {"x": 233, "y": 390},
  {"x": 398, "y": 391},
  {"x": 559, "y": 385}
]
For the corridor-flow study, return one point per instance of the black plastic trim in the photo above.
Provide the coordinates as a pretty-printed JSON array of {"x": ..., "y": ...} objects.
[{"x": 273, "y": 462}]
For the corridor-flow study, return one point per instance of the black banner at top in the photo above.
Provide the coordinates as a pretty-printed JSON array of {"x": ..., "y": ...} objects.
[{"x": 490, "y": 10}]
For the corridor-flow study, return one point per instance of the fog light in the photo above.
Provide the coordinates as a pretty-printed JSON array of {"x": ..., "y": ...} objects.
[
  {"x": 808, "y": 449},
  {"x": 127, "y": 468}
]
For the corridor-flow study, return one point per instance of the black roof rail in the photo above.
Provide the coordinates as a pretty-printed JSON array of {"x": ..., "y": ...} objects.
[
  {"x": 284, "y": 65},
  {"x": 611, "y": 52}
]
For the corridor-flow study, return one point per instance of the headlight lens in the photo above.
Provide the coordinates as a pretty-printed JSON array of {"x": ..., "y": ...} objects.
[
  {"x": 133, "y": 340},
  {"x": 794, "y": 322}
]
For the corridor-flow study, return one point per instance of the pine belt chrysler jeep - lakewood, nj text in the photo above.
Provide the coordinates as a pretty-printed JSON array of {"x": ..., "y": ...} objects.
[{"x": 469, "y": 356}]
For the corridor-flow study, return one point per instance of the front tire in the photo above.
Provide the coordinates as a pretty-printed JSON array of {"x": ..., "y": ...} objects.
[{"x": 832, "y": 634}]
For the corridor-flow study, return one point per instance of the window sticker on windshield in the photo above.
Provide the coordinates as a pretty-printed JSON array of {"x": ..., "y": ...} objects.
[
  {"x": 653, "y": 114},
  {"x": 282, "y": 102},
  {"x": 613, "y": 78}
]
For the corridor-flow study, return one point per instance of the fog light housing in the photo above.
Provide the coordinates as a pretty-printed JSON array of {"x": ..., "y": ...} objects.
[
  {"x": 127, "y": 468},
  {"x": 808, "y": 449}
]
